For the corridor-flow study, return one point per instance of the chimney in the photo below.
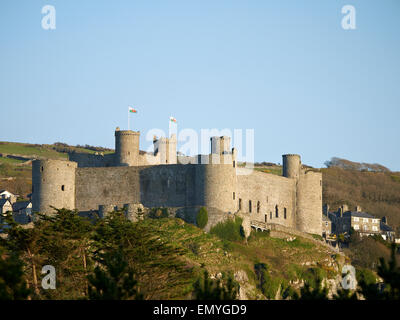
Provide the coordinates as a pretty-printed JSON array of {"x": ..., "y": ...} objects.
[
  {"x": 341, "y": 211},
  {"x": 345, "y": 208},
  {"x": 358, "y": 209},
  {"x": 384, "y": 220}
]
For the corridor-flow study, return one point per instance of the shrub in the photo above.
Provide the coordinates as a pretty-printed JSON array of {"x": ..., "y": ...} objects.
[
  {"x": 228, "y": 230},
  {"x": 202, "y": 218},
  {"x": 157, "y": 213},
  {"x": 266, "y": 283}
]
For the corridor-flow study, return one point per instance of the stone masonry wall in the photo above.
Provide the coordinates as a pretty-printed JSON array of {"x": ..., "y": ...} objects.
[{"x": 271, "y": 191}]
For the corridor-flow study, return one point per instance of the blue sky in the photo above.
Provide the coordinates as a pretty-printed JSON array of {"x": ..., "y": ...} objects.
[{"x": 284, "y": 68}]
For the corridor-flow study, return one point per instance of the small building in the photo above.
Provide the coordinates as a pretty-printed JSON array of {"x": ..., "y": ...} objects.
[
  {"x": 4, "y": 194},
  {"x": 5, "y": 206},
  {"x": 327, "y": 226},
  {"x": 22, "y": 211},
  {"x": 343, "y": 220}
]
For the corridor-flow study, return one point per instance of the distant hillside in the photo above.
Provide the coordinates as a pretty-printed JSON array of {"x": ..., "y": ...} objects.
[
  {"x": 376, "y": 192},
  {"x": 16, "y": 166},
  {"x": 372, "y": 186}
]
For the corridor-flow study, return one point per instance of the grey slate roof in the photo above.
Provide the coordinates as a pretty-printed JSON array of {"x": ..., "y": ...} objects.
[
  {"x": 358, "y": 214},
  {"x": 20, "y": 205},
  {"x": 3, "y": 201},
  {"x": 385, "y": 227}
]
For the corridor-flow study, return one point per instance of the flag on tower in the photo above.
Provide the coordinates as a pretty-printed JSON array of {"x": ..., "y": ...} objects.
[
  {"x": 172, "y": 119},
  {"x": 132, "y": 110}
]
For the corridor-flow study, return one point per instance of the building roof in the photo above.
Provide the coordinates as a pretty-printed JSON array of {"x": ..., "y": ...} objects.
[
  {"x": 3, "y": 202},
  {"x": 385, "y": 227},
  {"x": 357, "y": 214},
  {"x": 20, "y": 205}
]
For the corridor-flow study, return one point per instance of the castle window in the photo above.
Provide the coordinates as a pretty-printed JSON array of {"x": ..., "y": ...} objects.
[
  {"x": 258, "y": 206},
  {"x": 233, "y": 196},
  {"x": 240, "y": 204},
  {"x": 41, "y": 169},
  {"x": 62, "y": 188},
  {"x": 250, "y": 206},
  {"x": 270, "y": 214},
  {"x": 276, "y": 211},
  {"x": 234, "y": 164},
  {"x": 265, "y": 218},
  {"x": 284, "y": 213}
]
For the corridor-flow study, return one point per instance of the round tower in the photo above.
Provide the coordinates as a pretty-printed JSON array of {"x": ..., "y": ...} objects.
[
  {"x": 215, "y": 186},
  {"x": 126, "y": 147},
  {"x": 53, "y": 184},
  {"x": 291, "y": 165}
]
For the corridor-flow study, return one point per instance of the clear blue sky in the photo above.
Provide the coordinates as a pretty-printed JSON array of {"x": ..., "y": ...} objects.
[{"x": 283, "y": 68}]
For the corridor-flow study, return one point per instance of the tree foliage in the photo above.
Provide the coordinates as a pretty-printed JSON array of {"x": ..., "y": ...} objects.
[{"x": 224, "y": 288}]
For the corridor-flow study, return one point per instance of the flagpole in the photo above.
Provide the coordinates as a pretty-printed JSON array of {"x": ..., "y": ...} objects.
[{"x": 128, "y": 117}]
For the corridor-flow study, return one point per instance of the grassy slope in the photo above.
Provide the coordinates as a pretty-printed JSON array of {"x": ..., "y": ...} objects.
[
  {"x": 20, "y": 170},
  {"x": 286, "y": 260}
]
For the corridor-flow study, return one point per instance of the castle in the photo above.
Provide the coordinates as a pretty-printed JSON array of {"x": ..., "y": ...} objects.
[{"x": 133, "y": 179}]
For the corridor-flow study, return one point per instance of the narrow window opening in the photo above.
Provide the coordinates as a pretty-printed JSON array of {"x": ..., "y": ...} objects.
[
  {"x": 240, "y": 204},
  {"x": 265, "y": 218},
  {"x": 270, "y": 215},
  {"x": 284, "y": 213},
  {"x": 62, "y": 188},
  {"x": 276, "y": 212},
  {"x": 258, "y": 206},
  {"x": 233, "y": 196},
  {"x": 250, "y": 206},
  {"x": 41, "y": 169}
]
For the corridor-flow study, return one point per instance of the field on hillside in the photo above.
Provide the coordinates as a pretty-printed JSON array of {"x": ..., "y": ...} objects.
[{"x": 16, "y": 167}]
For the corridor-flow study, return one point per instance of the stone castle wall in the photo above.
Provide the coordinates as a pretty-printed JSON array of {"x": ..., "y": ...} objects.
[
  {"x": 271, "y": 192},
  {"x": 92, "y": 160}
]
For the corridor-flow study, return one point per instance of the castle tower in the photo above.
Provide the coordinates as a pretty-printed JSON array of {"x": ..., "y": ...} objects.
[
  {"x": 126, "y": 147},
  {"x": 291, "y": 165},
  {"x": 220, "y": 150},
  {"x": 166, "y": 148},
  {"x": 53, "y": 185},
  {"x": 215, "y": 186},
  {"x": 308, "y": 210}
]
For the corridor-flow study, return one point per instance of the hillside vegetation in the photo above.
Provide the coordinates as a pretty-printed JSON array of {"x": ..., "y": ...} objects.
[{"x": 165, "y": 255}]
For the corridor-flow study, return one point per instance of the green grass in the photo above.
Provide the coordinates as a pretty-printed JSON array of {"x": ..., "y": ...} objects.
[
  {"x": 10, "y": 161},
  {"x": 30, "y": 150},
  {"x": 44, "y": 150},
  {"x": 272, "y": 170}
]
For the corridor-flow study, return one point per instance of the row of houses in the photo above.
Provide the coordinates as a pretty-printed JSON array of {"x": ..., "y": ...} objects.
[
  {"x": 344, "y": 220},
  {"x": 21, "y": 210}
]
